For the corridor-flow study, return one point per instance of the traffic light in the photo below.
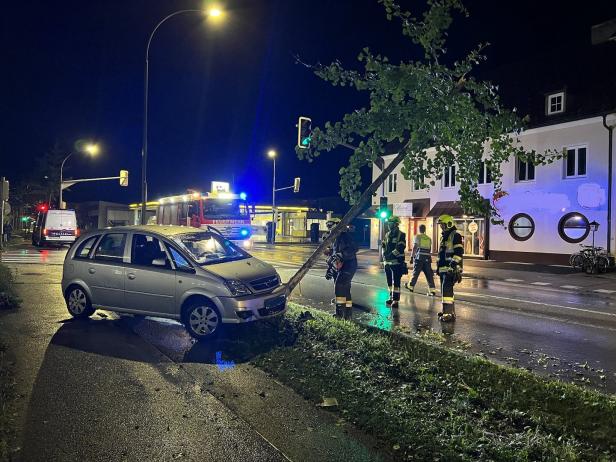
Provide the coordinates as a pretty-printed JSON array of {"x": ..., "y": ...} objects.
[
  {"x": 42, "y": 207},
  {"x": 383, "y": 212},
  {"x": 304, "y": 132},
  {"x": 296, "y": 184},
  {"x": 124, "y": 178}
]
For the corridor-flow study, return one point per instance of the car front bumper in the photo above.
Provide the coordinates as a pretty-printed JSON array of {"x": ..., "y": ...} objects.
[{"x": 235, "y": 310}]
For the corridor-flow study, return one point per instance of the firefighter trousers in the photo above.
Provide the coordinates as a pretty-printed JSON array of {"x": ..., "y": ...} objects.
[
  {"x": 394, "y": 276},
  {"x": 423, "y": 264},
  {"x": 447, "y": 298},
  {"x": 342, "y": 287}
]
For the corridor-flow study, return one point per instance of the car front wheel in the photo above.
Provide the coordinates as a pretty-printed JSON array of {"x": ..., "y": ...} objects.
[
  {"x": 202, "y": 320},
  {"x": 78, "y": 303}
]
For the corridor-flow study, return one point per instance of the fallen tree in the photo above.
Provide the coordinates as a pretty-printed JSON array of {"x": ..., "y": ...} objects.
[{"x": 429, "y": 103}]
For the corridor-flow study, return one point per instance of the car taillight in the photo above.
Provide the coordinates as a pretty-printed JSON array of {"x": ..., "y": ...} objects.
[
  {"x": 44, "y": 231},
  {"x": 76, "y": 232}
]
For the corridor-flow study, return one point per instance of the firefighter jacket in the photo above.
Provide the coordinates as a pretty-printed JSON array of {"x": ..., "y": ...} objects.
[
  {"x": 450, "y": 252},
  {"x": 393, "y": 247},
  {"x": 422, "y": 245},
  {"x": 344, "y": 246}
]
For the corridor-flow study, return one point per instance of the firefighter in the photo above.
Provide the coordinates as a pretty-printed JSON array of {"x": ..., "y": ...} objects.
[
  {"x": 393, "y": 259},
  {"x": 449, "y": 265},
  {"x": 343, "y": 256},
  {"x": 422, "y": 261}
]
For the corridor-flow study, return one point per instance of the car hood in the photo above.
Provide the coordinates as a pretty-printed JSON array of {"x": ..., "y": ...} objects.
[{"x": 245, "y": 270}]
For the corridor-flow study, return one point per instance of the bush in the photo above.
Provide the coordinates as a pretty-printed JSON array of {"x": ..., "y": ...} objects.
[
  {"x": 8, "y": 297},
  {"x": 433, "y": 403}
]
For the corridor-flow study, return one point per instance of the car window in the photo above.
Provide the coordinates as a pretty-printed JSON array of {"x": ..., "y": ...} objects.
[
  {"x": 111, "y": 247},
  {"x": 207, "y": 247},
  {"x": 180, "y": 262},
  {"x": 146, "y": 249},
  {"x": 85, "y": 248}
]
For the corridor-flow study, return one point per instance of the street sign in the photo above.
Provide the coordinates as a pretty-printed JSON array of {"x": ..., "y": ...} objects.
[
  {"x": 473, "y": 227},
  {"x": 124, "y": 178},
  {"x": 404, "y": 209}
]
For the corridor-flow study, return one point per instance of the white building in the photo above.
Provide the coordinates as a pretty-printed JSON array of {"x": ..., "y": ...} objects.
[{"x": 548, "y": 210}]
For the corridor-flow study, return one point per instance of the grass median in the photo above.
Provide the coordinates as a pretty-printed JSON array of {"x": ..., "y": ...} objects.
[{"x": 429, "y": 402}]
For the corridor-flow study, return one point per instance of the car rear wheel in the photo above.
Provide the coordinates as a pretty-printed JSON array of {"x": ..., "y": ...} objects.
[
  {"x": 78, "y": 303},
  {"x": 202, "y": 320}
]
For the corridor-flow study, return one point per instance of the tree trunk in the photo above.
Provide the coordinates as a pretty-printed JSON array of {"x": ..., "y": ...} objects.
[{"x": 348, "y": 217}]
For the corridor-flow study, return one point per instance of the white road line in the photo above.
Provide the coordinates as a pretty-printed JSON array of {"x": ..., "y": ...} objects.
[
  {"x": 538, "y": 303},
  {"x": 570, "y": 287},
  {"x": 604, "y": 291},
  {"x": 518, "y": 263},
  {"x": 560, "y": 266},
  {"x": 514, "y": 280},
  {"x": 541, "y": 283}
]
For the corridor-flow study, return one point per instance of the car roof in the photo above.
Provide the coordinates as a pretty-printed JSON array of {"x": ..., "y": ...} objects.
[{"x": 161, "y": 230}]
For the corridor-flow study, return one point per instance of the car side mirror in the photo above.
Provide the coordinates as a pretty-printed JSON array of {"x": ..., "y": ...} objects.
[{"x": 159, "y": 262}]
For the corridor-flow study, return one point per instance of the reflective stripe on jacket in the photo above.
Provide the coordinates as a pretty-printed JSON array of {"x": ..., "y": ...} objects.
[
  {"x": 393, "y": 247},
  {"x": 423, "y": 244},
  {"x": 451, "y": 251}
]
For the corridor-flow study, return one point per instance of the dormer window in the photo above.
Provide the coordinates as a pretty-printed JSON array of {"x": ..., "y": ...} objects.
[{"x": 555, "y": 103}]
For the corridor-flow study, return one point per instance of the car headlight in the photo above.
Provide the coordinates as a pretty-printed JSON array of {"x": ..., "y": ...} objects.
[{"x": 237, "y": 287}]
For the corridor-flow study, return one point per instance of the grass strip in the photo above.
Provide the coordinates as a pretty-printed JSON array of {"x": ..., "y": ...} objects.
[
  {"x": 429, "y": 402},
  {"x": 8, "y": 296},
  {"x": 7, "y": 384}
]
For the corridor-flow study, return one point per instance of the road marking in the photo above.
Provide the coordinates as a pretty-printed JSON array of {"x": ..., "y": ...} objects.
[
  {"x": 518, "y": 263},
  {"x": 514, "y": 280},
  {"x": 560, "y": 266},
  {"x": 604, "y": 291},
  {"x": 538, "y": 303},
  {"x": 541, "y": 283},
  {"x": 570, "y": 287}
]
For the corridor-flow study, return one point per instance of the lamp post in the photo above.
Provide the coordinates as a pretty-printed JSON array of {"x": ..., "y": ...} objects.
[
  {"x": 92, "y": 149},
  {"x": 212, "y": 12},
  {"x": 272, "y": 155}
]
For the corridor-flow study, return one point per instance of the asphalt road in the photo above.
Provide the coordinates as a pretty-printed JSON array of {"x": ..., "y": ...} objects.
[
  {"x": 123, "y": 388},
  {"x": 564, "y": 334}
]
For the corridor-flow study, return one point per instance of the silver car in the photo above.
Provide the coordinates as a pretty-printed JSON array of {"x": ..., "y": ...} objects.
[{"x": 195, "y": 276}]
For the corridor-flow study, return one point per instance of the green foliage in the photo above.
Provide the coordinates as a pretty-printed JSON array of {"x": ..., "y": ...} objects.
[
  {"x": 433, "y": 403},
  {"x": 438, "y": 114},
  {"x": 8, "y": 297}
]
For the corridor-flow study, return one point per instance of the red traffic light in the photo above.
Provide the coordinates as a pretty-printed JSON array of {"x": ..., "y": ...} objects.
[{"x": 42, "y": 207}]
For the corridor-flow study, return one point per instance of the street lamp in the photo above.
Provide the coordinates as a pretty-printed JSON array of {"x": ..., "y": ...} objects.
[
  {"x": 212, "y": 12},
  {"x": 272, "y": 155},
  {"x": 91, "y": 148}
]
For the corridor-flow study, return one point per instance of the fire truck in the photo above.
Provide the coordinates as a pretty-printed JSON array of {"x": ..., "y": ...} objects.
[{"x": 226, "y": 211}]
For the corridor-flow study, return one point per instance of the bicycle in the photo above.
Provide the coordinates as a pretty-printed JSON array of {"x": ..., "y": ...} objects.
[{"x": 590, "y": 259}]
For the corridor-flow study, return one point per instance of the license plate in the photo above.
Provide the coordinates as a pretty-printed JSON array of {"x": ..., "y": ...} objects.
[{"x": 272, "y": 302}]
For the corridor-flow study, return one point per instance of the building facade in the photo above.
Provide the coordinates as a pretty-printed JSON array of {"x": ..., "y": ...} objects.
[{"x": 548, "y": 210}]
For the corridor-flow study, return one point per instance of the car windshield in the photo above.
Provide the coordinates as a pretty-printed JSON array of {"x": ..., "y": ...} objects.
[{"x": 208, "y": 247}]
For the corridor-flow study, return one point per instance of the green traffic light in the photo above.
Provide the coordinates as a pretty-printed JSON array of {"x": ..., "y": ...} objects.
[
  {"x": 24, "y": 218},
  {"x": 306, "y": 141},
  {"x": 383, "y": 214}
]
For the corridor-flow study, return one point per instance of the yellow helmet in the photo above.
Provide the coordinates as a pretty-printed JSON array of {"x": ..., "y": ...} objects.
[
  {"x": 393, "y": 219},
  {"x": 447, "y": 220}
]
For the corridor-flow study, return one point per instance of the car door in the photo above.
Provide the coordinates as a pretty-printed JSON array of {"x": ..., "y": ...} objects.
[
  {"x": 150, "y": 279},
  {"x": 106, "y": 270}
]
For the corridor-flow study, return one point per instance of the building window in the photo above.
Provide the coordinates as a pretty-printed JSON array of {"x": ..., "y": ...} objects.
[
  {"x": 521, "y": 227},
  {"x": 555, "y": 103},
  {"x": 418, "y": 185},
  {"x": 525, "y": 170},
  {"x": 485, "y": 175},
  {"x": 575, "y": 162},
  {"x": 393, "y": 183},
  {"x": 449, "y": 177},
  {"x": 573, "y": 227}
]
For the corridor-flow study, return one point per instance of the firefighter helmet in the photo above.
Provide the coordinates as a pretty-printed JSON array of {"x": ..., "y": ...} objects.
[
  {"x": 332, "y": 223},
  {"x": 393, "y": 220},
  {"x": 446, "y": 220}
]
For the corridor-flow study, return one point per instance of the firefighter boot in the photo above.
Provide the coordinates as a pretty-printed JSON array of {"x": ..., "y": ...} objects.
[
  {"x": 348, "y": 310},
  {"x": 409, "y": 287},
  {"x": 448, "y": 314},
  {"x": 390, "y": 300},
  {"x": 340, "y": 304}
]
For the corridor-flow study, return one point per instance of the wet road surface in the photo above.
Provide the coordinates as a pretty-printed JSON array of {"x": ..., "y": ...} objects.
[
  {"x": 562, "y": 334},
  {"x": 123, "y": 388}
]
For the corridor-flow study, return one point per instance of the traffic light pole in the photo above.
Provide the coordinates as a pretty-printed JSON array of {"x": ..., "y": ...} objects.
[{"x": 2, "y": 213}]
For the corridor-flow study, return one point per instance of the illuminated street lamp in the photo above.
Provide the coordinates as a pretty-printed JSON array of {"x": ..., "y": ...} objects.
[
  {"x": 91, "y": 148},
  {"x": 272, "y": 155},
  {"x": 213, "y": 12}
]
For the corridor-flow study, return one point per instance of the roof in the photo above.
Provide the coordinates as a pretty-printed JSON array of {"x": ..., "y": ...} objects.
[{"x": 452, "y": 208}]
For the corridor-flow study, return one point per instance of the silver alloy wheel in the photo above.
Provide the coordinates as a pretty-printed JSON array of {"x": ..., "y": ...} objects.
[
  {"x": 77, "y": 301},
  {"x": 203, "y": 320}
]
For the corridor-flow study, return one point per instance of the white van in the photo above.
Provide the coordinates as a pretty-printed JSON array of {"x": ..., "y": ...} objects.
[{"x": 55, "y": 227}]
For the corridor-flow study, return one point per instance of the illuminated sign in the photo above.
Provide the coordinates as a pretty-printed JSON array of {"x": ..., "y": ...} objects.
[{"x": 220, "y": 187}]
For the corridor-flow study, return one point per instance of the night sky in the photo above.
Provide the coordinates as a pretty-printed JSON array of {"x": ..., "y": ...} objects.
[{"x": 221, "y": 95}]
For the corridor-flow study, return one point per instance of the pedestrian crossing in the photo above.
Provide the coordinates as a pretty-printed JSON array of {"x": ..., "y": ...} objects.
[
  {"x": 566, "y": 286},
  {"x": 32, "y": 257}
]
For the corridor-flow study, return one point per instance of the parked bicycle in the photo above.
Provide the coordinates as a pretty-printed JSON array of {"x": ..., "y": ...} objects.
[{"x": 590, "y": 259}]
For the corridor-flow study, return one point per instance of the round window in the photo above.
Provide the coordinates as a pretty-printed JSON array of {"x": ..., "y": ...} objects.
[
  {"x": 521, "y": 227},
  {"x": 573, "y": 227}
]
